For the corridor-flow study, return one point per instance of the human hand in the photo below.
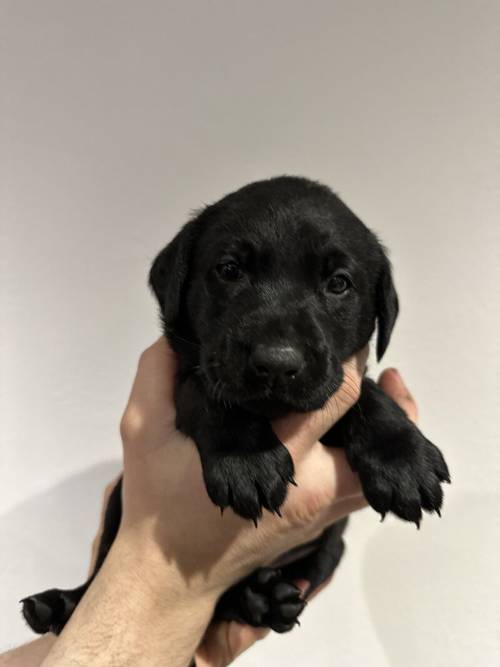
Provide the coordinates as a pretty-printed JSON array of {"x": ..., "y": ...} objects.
[
  {"x": 166, "y": 509},
  {"x": 154, "y": 596},
  {"x": 224, "y": 641},
  {"x": 390, "y": 381},
  {"x": 152, "y": 600}
]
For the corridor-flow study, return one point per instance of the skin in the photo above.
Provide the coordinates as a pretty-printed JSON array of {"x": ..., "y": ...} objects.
[{"x": 152, "y": 602}]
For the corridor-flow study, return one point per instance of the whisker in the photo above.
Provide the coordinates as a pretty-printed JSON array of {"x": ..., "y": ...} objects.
[{"x": 172, "y": 334}]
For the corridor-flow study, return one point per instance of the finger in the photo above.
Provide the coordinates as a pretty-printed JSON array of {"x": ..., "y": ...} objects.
[
  {"x": 157, "y": 353},
  {"x": 301, "y": 430},
  {"x": 242, "y": 637},
  {"x": 224, "y": 641},
  {"x": 155, "y": 372},
  {"x": 151, "y": 397},
  {"x": 391, "y": 382},
  {"x": 345, "y": 482}
]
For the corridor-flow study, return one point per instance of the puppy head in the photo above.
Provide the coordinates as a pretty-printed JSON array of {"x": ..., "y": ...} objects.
[{"x": 270, "y": 289}]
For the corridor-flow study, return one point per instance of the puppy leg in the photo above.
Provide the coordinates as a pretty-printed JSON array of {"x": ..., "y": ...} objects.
[
  {"x": 269, "y": 598},
  {"x": 50, "y": 610},
  {"x": 400, "y": 470},
  {"x": 245, "y": 466}
]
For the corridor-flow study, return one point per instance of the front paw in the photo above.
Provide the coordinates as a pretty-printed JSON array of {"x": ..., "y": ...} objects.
[
  {"x": 248, "y": 480},
  {"x": 407, "y": 483}
]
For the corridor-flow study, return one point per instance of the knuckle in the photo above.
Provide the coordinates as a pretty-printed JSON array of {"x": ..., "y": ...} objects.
[
  {"x": 304, "y": 515},
  {"x": 124, "y": 427},
  {"x": 131, "y": 425},
  {"x": 144, "y": 358}
]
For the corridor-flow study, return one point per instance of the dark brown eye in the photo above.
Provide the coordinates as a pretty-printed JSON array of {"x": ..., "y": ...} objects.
[
  {"x": 229, "y": 271},
  {"x": 339, "y": 284}
]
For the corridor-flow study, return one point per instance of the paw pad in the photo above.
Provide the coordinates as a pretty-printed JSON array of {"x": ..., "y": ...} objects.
[{"x": 270, "y": 601}]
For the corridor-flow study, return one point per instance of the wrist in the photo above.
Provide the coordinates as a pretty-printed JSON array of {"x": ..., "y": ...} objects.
[
  {"x": 139, "y": 610},
  {"x": 158, "y": 575}
]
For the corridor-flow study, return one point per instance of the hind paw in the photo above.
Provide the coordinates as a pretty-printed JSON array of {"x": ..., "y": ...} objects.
[
  {"x": 49, "y": 611},
  {"x": 269, "y": 600}
]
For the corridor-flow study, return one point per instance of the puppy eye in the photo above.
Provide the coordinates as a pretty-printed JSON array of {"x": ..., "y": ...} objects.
[
  {"x": 339, "y": 284},
  {"x": 229, "y": 271}
]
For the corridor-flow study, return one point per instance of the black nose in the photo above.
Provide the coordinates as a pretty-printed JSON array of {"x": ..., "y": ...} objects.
[{"x": 282, "y": 362}]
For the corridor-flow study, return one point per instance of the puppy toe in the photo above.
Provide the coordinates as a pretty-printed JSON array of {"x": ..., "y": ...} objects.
[
  {"x": 37, "y": 614},
  {"x": 431, "y": 496},
  {"x": 267, "y": 575},
  {"x": 408, "y": 507},
  {"x": 217, "y": 489},
  {"x": 256, "y": 606},
  {"x": 286, "y": 606},
  {"x": 244, "y": 499},
  {"x": 282, "y": 626},
  {"x": 290, "y": 610},
  {"x": 378, "y": 492},
  {"x": 441, "y": 468},
  {"x": 285, "y": 465},
  {"x": 284, "y": 591},
  {"x": 274, "y": 495}
]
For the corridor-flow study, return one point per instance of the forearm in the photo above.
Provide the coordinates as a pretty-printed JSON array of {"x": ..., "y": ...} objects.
[
  {"x": 28, "y": 655},
  {"x": 138, "y": 611}
]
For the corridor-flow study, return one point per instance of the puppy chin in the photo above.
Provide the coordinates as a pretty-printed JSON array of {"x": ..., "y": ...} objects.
[
  {"x": 275, "y": 404},
  {"x": 313, "y": 401},
  {"x": 272, "y": 402}
]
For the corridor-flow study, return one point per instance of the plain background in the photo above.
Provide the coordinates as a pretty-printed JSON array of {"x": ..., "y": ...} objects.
[{"x": 118, "y": 118}]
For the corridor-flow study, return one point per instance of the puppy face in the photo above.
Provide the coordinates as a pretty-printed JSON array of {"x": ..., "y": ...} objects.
[{"x": 274, "y": 287}]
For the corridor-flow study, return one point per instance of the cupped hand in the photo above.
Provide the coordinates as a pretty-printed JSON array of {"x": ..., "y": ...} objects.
[
  {"x": 166, "y": 507},
  {"x": 165, "y": 503}
]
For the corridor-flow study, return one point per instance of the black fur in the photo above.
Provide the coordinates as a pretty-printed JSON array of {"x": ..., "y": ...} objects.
[{"x": 263, "y": 295}]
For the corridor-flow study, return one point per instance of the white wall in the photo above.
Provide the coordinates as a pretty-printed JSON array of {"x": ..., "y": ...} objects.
[{"x": 121, "y": 116}]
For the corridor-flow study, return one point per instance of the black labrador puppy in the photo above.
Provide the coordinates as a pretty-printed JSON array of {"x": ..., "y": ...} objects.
[{"x": 263, "y": 295}]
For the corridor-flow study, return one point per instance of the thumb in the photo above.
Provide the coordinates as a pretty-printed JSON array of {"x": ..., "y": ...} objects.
[{"x": 299, "y": 431}]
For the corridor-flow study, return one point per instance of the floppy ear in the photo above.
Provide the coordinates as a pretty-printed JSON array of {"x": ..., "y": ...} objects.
[
  {"x": 387, "y": 308},
  {"x": 169, "y": 272}
]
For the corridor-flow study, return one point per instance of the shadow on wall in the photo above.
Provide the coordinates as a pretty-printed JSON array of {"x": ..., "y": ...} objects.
[
  {"x": 46, "y": 541},
  {"x": 424, "y": 587},
  {"x": 421, "y": 587}
]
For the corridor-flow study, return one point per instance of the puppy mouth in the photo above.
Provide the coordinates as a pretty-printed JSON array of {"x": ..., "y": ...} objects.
[
  {"x": 274, "y": 408},
  {"x": 271, "y": 399}
]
